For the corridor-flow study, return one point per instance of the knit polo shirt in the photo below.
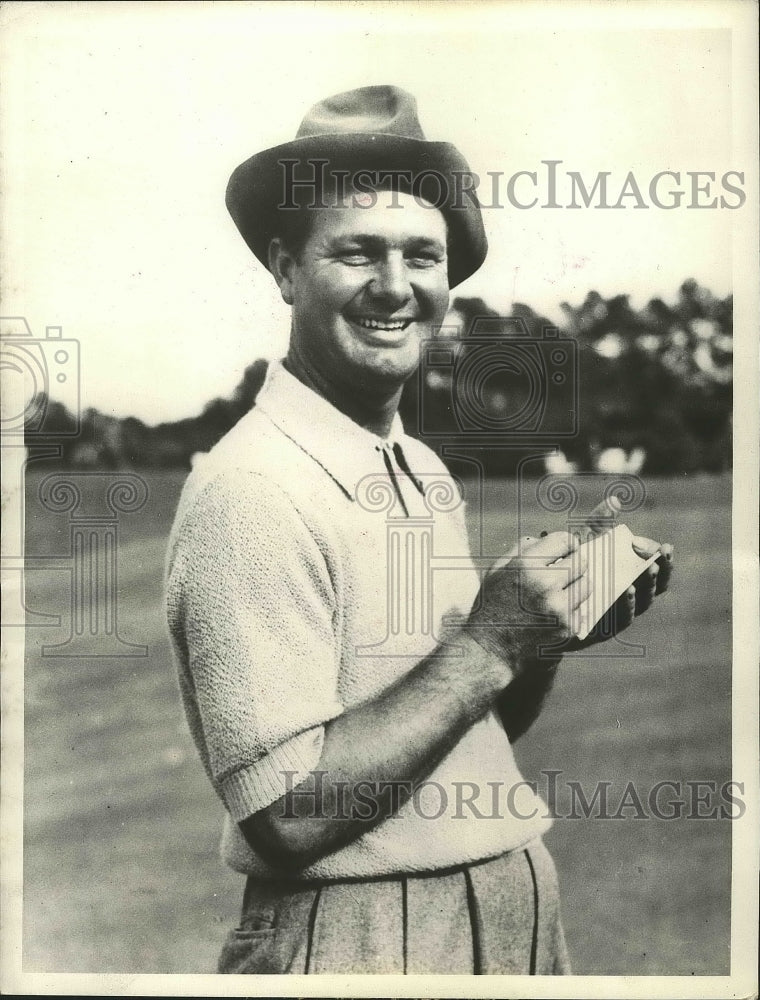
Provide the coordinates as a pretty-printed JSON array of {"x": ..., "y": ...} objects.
[{"x": 310, "y": 566}]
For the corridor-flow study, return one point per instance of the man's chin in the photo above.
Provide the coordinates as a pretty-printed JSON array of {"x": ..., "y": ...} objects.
[{"x": 389, "y": 366}]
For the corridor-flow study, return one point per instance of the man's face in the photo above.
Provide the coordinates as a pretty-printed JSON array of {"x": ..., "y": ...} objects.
[{"x": 369, "y": 285}]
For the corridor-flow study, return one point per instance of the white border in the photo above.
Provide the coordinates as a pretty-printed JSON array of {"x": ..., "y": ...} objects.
[{"x": 741, "y": 18}]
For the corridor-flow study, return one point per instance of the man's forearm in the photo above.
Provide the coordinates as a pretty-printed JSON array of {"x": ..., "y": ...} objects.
[{"x": 377, "y": 753}]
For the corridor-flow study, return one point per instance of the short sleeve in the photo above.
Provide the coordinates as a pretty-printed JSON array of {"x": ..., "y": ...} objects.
[{"x": 251, "y": 597}]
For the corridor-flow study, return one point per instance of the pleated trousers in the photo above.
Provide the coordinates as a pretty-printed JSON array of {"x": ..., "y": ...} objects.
[{"x": 495, "y": 917}]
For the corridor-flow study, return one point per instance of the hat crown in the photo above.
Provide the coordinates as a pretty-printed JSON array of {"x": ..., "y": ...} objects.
[
  {"x": 370, "y": 128},
  {"x": 379, "y": 110}
]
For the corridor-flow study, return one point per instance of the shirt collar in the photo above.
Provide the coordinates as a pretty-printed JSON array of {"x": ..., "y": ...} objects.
[{"x": 346, "y": 451}]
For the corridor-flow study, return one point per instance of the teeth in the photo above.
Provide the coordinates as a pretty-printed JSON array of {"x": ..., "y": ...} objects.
[{"x": 376, "y": 324}]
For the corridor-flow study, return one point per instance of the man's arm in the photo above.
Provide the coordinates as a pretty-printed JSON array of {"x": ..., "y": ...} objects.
[{"x": 377, "y": 753}]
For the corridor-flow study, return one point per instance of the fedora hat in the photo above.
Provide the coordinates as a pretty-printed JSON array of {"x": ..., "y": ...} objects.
[{"x": 369, "y": 129}]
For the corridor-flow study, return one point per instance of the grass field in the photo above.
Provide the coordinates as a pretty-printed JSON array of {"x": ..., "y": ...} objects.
[{"x": 121, "y": 871}]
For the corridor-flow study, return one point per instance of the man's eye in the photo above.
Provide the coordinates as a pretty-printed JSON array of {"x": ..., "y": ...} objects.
[
  {"x": 354, "y": 259},
  {"x": 425, "y": 260}
]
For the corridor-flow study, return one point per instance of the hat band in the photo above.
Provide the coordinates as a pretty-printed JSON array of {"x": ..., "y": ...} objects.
[{"x": 317, "y": 183}]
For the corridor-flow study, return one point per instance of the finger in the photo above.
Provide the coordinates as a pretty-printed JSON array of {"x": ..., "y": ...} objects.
[
  {"x": 645, "y": 547},
  {"x": 619, "y": 616},
  {"x": 650, "y": 573},
  {"x": 665, "y": 563},
  {"x": 565, "y": 602},
  {"x": 578, "y": 592},
  {"x": 526, "y": 543},
  {"x": 564, "y": 571},
  {"x": 556, "y": 545},
  {"x": 558, "y": 605},
  {"x": 604, "y": 516},
  {"x": 577, "y": 567},
  {"x": 543, "y": 534},
  {"x": 625, "y": 609},
  {"x": 581, "y": 618},
  {"x": 646, "y": 588},
  {"x": 571, "y": 607}
]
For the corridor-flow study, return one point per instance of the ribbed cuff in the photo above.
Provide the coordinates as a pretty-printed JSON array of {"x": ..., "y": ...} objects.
[{"x": 259, "y": 785}]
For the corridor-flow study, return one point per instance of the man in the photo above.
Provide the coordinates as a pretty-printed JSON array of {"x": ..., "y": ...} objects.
[{"x": 347, "y": 706}]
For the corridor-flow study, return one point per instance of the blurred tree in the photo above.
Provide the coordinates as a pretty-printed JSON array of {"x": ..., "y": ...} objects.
[{"x": 659, "y": 378}]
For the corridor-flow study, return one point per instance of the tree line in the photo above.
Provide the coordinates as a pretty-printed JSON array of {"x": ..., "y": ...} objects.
[{"x": 657, "y": 379}]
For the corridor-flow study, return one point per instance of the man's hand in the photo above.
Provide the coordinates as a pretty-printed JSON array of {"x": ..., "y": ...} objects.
[
  {"x": 638, "y": 597},
  {"x": 545, "y": 578}
]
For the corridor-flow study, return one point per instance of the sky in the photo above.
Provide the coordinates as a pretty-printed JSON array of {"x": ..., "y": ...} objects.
[{"x": 122, "y": 122}]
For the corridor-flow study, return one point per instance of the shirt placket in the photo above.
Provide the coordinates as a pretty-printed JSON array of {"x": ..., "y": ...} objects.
[{"x": 408, "y": 489}]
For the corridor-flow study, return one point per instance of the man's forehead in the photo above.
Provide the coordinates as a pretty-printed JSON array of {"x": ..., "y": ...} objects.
[{"x": 380, "y": 215}]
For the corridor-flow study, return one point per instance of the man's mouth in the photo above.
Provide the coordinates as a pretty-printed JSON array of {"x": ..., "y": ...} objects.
[{"x": 391, "y": 325}]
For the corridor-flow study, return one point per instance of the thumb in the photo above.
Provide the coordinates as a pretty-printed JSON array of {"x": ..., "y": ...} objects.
[{"x": 645, "y": 547}]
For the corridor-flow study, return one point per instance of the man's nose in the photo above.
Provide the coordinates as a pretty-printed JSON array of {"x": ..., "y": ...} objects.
[{"x": 391, "y": 280}]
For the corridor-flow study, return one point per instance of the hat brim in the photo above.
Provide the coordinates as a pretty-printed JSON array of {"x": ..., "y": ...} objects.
[{"x": 257, "y": 188}]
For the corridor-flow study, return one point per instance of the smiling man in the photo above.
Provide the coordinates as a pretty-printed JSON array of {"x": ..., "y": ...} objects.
[
  {"x": 354, "y": 714},
  {"x": 367, "y": 287}
]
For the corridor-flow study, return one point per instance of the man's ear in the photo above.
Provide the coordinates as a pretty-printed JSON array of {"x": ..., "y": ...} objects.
[{"x": 281, "y": 264}]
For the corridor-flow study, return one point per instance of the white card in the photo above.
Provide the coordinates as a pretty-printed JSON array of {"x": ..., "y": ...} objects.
[{"x": 613, "y": 565}]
